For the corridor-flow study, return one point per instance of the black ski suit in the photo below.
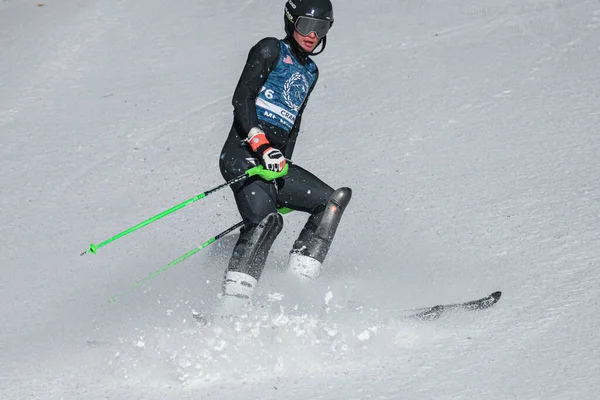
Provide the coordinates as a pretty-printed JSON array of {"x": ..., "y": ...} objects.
[{"x": 271, "y": 94}]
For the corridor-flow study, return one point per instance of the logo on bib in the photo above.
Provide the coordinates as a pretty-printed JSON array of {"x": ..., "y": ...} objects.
[{"x": 295, "y": 90}]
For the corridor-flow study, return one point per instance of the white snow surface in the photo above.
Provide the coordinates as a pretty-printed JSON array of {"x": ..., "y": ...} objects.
[{"x": 468, "y": 131}]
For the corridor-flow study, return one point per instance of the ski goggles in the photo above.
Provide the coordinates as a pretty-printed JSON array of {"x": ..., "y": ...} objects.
[{"x": 306, "y": 25}]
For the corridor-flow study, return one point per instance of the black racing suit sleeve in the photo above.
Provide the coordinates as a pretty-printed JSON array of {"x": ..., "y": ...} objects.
[
  {"x": 262, "y": 59},
  {"x": 289, "y": 150}
]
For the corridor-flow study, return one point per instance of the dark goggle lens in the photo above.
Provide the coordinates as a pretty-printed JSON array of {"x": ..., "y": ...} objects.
[{"x": 306, "y": 25}]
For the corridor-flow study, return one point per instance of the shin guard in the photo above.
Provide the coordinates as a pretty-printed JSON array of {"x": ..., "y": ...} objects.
[{"x": 252, "y": 248}]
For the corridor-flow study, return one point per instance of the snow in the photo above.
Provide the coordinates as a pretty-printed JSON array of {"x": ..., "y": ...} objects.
[{"x": 466, "y": 129}]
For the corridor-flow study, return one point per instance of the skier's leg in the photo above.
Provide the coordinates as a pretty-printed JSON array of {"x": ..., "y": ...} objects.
[
  {"x": 312, "y": 246},
  {"x": 256, "y": 201},
  {"x": 304, "y": 191},
  {"x": 247, "y": 262}
]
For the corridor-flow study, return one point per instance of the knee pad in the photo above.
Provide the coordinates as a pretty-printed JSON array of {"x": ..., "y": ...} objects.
[{"x": 334, "y": 209}]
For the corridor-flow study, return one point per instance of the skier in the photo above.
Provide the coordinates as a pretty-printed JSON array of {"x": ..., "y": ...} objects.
[{"x": 268, "y": 102}]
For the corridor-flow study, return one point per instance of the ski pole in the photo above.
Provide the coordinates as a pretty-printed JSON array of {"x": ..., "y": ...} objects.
[
  {"x": 259, "y": 170},
  {"x": 113, "y": 299}
]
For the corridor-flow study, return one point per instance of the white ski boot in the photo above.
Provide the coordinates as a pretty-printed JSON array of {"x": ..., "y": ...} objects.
[
  {"x": 237, "y": 294},
  {"x": 303, "y": 266}
]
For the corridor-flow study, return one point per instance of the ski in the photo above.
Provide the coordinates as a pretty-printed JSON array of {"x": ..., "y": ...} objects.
[
  {"x": 415, "y": 314},
  {"x": 435, "y": 312}
]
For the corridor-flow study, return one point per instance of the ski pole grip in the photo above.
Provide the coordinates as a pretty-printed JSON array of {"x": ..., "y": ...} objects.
[{"x": 266, "y": 174}]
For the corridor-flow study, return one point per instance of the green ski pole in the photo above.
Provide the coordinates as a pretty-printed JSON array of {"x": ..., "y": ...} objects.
[
  {"x": 260, "y": 171},
  {"x": 113, "y": 299}
]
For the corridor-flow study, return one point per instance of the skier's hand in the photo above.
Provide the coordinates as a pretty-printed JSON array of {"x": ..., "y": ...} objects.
[{"x": 273, "y": 160}]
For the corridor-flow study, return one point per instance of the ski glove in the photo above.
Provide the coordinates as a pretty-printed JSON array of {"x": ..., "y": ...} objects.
[{"x": 272, "y": 158}]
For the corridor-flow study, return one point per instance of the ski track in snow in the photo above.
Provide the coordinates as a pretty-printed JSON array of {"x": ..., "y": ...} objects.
[{"x": 467, "y": 131}]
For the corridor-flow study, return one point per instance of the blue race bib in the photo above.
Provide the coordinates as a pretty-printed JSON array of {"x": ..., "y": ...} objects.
[{"x": 285, "y": 90}]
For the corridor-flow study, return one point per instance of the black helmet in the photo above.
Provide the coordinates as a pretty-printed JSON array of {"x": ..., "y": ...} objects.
[{"x": 308, "y": 16}]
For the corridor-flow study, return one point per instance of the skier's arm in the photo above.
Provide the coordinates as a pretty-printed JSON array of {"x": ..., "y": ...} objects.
[
  {"x": 261, "y": 61},
  {"x": 289, "y": 150}
]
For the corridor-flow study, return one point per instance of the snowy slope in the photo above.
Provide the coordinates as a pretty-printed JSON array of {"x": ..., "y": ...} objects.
[{"x": 467, "y": 130}]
